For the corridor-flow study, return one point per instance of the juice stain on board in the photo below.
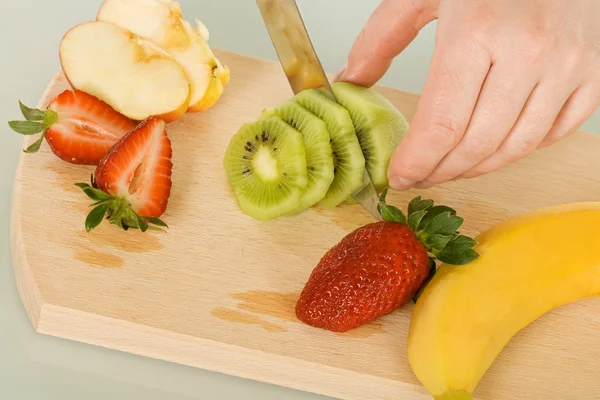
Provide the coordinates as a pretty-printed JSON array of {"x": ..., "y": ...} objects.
[
  {"x": 241, "y": 317},
  {"x": 131, "y": 241},
  {"x": 98, "y": 259}
]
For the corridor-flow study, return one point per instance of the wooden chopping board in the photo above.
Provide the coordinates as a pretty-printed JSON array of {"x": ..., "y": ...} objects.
[{"x": 217, "y": 291}]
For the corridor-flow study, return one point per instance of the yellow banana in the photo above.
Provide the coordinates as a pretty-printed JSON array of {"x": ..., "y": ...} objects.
[{"x": 528, "y": 265}]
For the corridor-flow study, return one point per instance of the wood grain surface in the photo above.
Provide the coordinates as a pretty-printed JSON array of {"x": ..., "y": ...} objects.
[{"x": 217, "y": 291}]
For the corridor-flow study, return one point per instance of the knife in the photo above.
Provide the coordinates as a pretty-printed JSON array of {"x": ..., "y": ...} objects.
[{"x": 304, "y": 70}]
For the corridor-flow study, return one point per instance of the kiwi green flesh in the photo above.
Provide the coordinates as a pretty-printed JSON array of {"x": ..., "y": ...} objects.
[
  {"x": 319, "y": 157},
  {"x": 349, "y": 162},
  {"x": 378, "y": 124},
  {"x": 265, "y": 162}
]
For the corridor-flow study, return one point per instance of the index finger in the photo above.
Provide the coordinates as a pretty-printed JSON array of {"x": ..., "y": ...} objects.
[
  {"x": 458, "y": 70},
  {"x": 391, "y": 27}
]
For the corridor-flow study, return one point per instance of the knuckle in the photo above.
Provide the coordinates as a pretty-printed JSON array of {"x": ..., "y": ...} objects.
[
  {"x": 370, "y": 43},
  {"x": 521, "y": 147},
  {"x": 444, "y": 129},
  {"x": 468, "y": 39},
  {"x": 571, "y": 61},
  {"x": 475, "y": 20},
  {"x": 535, "y": 46},
  {"x": 490, "y": 165},
  {"x": 479, "y": 145},
  {"x": 474, "y": 173},
  {"x": 420, "y": 6},
  {"x": 423, "y": 10},
  {"x": 363, "y": 36},
  {"x": 440, "y": 177},
  {"x": 478, "y": 34},
  {"x": 414, "y": 171},
  {"x": 556, "y": 135},
  {"x": 417, "y": 6}
]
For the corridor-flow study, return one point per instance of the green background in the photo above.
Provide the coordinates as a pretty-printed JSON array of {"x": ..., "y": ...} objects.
[{"x": 34, "y": 366}]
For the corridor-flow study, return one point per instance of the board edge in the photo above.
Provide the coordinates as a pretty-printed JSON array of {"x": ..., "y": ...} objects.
[
  {"x": 209, "y": 355},
  {"x": 27, "y": 288}
]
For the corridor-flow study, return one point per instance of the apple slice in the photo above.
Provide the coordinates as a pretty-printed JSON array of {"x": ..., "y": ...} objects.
[
  {"x": 219, "y": 74},
  {"x": 161, "y": 22},
  {"x": 133, "y": 75}
]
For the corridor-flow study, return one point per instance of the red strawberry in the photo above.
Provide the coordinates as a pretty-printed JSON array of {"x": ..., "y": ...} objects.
[
  {"x": 379, "y": 267},
  {"x": 132, "y": 182},
  {"x": 79, "y": 128}
]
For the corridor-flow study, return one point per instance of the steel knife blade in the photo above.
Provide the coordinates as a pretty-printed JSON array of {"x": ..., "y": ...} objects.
[{"x": 303, "y": 69}]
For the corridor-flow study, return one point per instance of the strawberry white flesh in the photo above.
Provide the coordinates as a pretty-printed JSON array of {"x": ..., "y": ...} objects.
[{"x": 138, "y": 168}]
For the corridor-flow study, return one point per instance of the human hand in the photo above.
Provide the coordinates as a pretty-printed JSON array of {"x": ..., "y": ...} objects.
[{"x": 507, "y": 77}]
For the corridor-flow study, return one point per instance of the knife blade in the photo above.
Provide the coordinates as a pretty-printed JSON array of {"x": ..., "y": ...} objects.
[{"x": 303, "y": 70}]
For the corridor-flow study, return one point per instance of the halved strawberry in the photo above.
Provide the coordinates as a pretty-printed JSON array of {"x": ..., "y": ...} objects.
[
  {"x": 79, "y": 127},
  {"x": 132, "y": 182}
]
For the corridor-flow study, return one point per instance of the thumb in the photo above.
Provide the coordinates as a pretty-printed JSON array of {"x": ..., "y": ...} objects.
[{"x": 391, "y": 27}]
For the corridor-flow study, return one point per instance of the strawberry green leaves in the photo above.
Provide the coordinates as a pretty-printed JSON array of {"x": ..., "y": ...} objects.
[
  {"x": 389, "y": 213},
  {"x": 414, "y": 219},
  {"x": 36, "y": 121},
  {"x": 418, "y": 205},
  {"x": 116, "y": 210},
  {"x": 27, "y": 127},
  {"x": 436, "y": 227},
  {"x": 438, "y": 231},
  {"x": 32, "y": 114},
  {"x": 95, "y": 217},
  {"x": 458, "y": 251}
]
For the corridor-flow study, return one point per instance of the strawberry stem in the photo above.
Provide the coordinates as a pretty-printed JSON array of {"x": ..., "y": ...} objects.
[
  {"x": 36, "y": 121},
  {"x": 436, "y": 227},
  {"x": 117, "y": 210}
]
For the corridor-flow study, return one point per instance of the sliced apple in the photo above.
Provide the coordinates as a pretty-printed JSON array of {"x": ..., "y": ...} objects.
[
  {"x": 161, "y": 22},
  {"x": 218, "y": 76},
  {"x": 136, "y": 77}
]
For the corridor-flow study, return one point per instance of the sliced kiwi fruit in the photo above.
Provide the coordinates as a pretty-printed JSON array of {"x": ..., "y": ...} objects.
[
  {"x": 349, "y": 163},
  {"x": 313, "y": 150},
  {"x": 378, "y": 124},
  {"x": 265, "y": 162},
  {"x": 319, "y": 157}
]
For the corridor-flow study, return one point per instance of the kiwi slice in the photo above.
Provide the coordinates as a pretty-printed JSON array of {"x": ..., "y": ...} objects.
[
  {"x": 265, "y": 162},
  {"x": 378, "y": 124},
  {"x": 319, "y": 157},
  {"x": 348, "y": 160}
]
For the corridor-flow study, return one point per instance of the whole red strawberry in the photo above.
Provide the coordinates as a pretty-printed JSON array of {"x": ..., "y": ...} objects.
[{"x": 379, "y": 267}]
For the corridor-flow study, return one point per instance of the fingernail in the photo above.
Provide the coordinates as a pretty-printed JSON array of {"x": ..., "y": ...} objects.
[
  {"x": 340, "y": 73},
  {"x": 400, "y": 183}
]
